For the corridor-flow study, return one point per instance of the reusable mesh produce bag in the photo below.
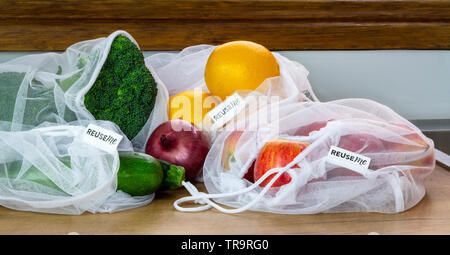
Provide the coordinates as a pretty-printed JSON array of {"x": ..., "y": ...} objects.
[
  {"x": 185, "y": 71},
  {"x": 50, "y": 169},
  {"x": 51, "y": 87},
  {"x": 400, "y": 158}
]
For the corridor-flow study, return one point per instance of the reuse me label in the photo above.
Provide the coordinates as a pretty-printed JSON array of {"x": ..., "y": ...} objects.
[
  {"x": 348, "y": 159},
  {"x": 226, "y": 110},
  {"x": 101, "y": 138}
]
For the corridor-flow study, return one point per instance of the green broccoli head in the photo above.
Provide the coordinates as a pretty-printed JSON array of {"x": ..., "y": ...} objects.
[{"x": 125, "y": 90}]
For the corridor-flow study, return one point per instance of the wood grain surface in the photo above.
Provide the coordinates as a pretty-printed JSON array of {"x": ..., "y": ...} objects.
[
  {"x": 41, "y": 25},
  {"x": 429, "y": 216}
]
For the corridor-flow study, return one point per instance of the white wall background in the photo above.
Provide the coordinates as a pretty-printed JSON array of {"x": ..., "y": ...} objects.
[{"x": 415, "y": 83}]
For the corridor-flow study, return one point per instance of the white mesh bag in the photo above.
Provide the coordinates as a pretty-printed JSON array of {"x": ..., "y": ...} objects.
[
  {"x": 400, "y": 159},
  {"x": 50, "y": 169},
  {"x": 185, "y": 71},
  {"x": 51, "y": 87}
]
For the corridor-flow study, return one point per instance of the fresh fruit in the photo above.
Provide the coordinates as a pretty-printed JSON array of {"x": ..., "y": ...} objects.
[
  {"x": 180, "y": 143},
  {"x": 229, "y": 146},
  {"x": 139, "y": 174},
  {"x": 365, "y": 143},
  {"x": 192, "y": 105},
  {"x": 307, "y": 129},
  {"x": 277, "y": 153},
  {"x": 361, "y": 143},
  {"x": 419, "y": 145},
  {"x": 239, "y": 65},
  {"x": 358, "y": 143},
  {"x": 411, "y": 135},
  {"x": 249, "y": 175}
]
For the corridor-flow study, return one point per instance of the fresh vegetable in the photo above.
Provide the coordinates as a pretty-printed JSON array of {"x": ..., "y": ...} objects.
[
  {"x": 173, "y": 176},
  {"x": 124, "y": 91},
  {"x": 179, "y": 142},
  {"x": 139, "y": 174},
  {"x": 277, "y": 153}
]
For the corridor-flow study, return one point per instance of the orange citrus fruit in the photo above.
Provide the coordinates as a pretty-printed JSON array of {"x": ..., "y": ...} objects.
[
  {"x": 192, "y": 105},
  {"x": 239, "y": 65}
]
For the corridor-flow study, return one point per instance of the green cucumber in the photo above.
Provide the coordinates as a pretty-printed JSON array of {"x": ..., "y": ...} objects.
[
  {"x": 173, "y": 176},
  {"x": 139, "y": 174}
]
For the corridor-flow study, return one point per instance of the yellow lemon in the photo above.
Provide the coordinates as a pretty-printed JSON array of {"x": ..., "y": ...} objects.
[
  {"x": 192, "y": 105},
  {"x": 239, "y": 65}
]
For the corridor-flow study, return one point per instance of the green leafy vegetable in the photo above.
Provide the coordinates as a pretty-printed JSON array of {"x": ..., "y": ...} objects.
[{"x": 124, "y": 91}]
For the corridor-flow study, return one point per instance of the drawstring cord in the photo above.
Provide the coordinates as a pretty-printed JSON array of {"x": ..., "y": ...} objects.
[{"x": 203, "y": 198}]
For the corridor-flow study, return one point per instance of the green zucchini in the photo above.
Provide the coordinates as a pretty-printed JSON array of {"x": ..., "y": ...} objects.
[
  {"x": 139, "y": 174},
  {"x": 173, "y": 176}
]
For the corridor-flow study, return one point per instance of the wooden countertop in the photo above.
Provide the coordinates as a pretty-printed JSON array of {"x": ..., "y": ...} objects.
[{"x": 430, "y": 216}]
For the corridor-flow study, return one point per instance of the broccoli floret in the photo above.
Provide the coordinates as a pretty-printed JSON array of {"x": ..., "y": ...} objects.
[{"x": 124, "y": 91}]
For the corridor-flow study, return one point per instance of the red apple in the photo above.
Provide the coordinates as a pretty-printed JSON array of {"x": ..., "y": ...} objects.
[
  {"x": 277, "y": 153},
  {"x": 361, "y": 143},
  {"x": 412, "y": 135},
  {"x": 250, "y": 172},
  {"x": 358, "y": 143},
  {"x": 306, "y": 130},
  {"x": 420, "y": 145}
]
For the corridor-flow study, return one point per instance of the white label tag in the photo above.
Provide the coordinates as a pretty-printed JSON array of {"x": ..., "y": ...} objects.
[
  {"x": 226, "y": 110},
  {"x": 101, "y": 138},
  {"x": 348, "y": 159}
]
